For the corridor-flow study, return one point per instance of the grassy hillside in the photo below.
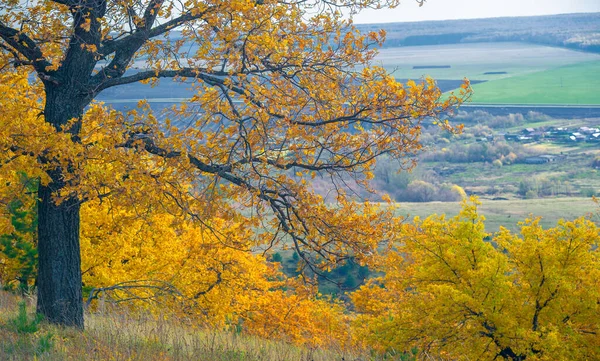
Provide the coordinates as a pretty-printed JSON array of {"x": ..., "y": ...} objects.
[
  {"x": 571, "y": 84},
  {"x": 113, "y": 335}
]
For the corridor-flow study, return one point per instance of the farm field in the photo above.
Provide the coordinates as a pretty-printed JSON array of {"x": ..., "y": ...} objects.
[
  {"x": 508, "y": 213},
  {"x": 571, "y": 84},
  {"x": 499, "y": 60},
  {"x": 474, "y": 60}
]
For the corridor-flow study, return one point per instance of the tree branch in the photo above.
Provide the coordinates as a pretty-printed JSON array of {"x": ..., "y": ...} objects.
[
  {"x": 151, "y": 13},
  {"x": 197, "y": 73},
  {"x": 25, "y": 46},
  {"x": 81, "y": 57},
  {"x": 110, "y": 46}
]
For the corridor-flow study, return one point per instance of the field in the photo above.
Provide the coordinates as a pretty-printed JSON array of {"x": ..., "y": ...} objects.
[
  {"x": 571, "y": 84},
  {"x": 574, "y": 31},
  {"x": 475, "y": 60},
  {"x": 502, "y": 73},
  {"x": 508, "y": 213}
]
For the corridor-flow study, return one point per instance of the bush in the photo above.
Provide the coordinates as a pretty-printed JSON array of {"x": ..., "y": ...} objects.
[
  {"x": 459, "y": 191},
  {"x": 531, "y": 194},
  {"x": 524, "y": 187},
  {"x": 277, "y": 257},
  {"x": 22, "y": 324},
  {"x": 588, "y": 192},
  {"x": 421, "y": 191}
]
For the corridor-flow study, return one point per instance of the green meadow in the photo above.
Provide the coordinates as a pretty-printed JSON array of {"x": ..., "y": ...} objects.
[
  {"x": 571, "y": 84},
  {"x": 512, "y": 73}
]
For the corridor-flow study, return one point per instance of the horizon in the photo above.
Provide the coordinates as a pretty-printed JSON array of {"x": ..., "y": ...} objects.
[
  {"x": 440, "y": 10},
  {"x": 476, "y": 18}
]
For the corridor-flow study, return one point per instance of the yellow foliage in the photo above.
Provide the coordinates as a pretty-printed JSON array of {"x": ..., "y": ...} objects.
[
  {"x": 210, "y": 281},
  {"x": 280, "y": 92},
  {"x": 450, "y": 290}
]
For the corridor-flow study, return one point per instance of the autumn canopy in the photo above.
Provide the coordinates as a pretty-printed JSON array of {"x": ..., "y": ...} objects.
[{"x": 284, "y": 93}]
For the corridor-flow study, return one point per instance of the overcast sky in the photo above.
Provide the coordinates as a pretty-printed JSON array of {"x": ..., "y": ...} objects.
[{"x": 469, "y": 9}]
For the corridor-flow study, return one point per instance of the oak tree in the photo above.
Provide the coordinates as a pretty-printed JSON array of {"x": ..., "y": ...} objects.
[{"x": 284, "y": 92}]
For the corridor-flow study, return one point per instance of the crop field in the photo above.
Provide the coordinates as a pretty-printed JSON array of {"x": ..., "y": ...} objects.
[
  {"x": 508, "y": 213},
  {"x": 477, "y": 61},
  {"x": 571, "y": 84}
]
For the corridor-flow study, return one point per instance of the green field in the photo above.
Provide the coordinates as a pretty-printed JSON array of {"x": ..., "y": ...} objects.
[
  {"x": 571, "y": 84},
  {"x": 509, "y": 212},
  {"x": 514, "y": 73}
]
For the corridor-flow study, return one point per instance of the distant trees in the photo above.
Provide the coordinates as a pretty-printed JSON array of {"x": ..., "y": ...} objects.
[
  {"x": 413, "y": 186},
  {"x": 478, "y": 152},
  {"x": 499, "y": 121}
]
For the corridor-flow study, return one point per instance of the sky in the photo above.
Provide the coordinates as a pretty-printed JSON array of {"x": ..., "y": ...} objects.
[{"x": 409, "y": 10}]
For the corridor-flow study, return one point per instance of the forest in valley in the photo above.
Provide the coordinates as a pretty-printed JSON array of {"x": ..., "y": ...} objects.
[{"x": 260, "y": 216}]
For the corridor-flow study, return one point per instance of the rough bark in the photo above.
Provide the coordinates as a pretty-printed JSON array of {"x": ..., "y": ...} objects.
[
  {"x": 59, "y": 276},
  {"x": 60, "y": 297}
]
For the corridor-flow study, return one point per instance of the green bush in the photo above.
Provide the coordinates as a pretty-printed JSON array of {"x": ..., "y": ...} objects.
[
  {"x": 531, "y": 194},
  {"x": 45, "y": 343},
  {"x": 588, "y": 192},
  {"x": 277, "y": 257},
  {"x": 22, "y": 324}
]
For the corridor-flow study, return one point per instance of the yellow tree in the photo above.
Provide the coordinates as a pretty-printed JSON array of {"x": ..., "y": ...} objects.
[
  {"x": 450, "y": 291},
  {"x": 283, "y": 90},
  {"x": 162, "y": 263}
]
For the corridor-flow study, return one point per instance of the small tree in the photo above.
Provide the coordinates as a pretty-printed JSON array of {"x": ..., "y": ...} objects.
[
  {"x": 446, "y": 290},
  {"x": 18, "y": 253}
]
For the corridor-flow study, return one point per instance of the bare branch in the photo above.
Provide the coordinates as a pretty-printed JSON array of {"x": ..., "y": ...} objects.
[
  {"x": 196, "y": 73},
  {"x": 158, "y": 287}
]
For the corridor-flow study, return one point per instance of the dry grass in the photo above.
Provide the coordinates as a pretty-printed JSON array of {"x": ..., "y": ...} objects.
[
  {"x": 508, "y": 213},
  {"x": 113, "y": 335}
]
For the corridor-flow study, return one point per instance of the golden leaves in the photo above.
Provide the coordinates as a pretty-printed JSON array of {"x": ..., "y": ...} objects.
[
  {"x": 280, "y": 94},
  {"x": 86, "y": 24},
  {"x": 445, "y": 281}
]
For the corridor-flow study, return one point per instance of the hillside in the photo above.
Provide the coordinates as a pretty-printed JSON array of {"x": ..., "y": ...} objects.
[
  {"x": 576, "y": 31},
  {"x": 118, "y": 335}
]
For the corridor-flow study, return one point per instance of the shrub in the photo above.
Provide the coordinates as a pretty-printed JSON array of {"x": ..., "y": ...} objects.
[
  {"x": 277, "y": 257},
  {"x": 531, "y": 194},
  {"x": 588, "y": 192},
  {"x": 421, "y": 191},
  {"x": 22, "y": 324}
]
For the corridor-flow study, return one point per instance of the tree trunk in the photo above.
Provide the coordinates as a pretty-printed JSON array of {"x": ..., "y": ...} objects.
[{"x": 59, "y": 260}]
